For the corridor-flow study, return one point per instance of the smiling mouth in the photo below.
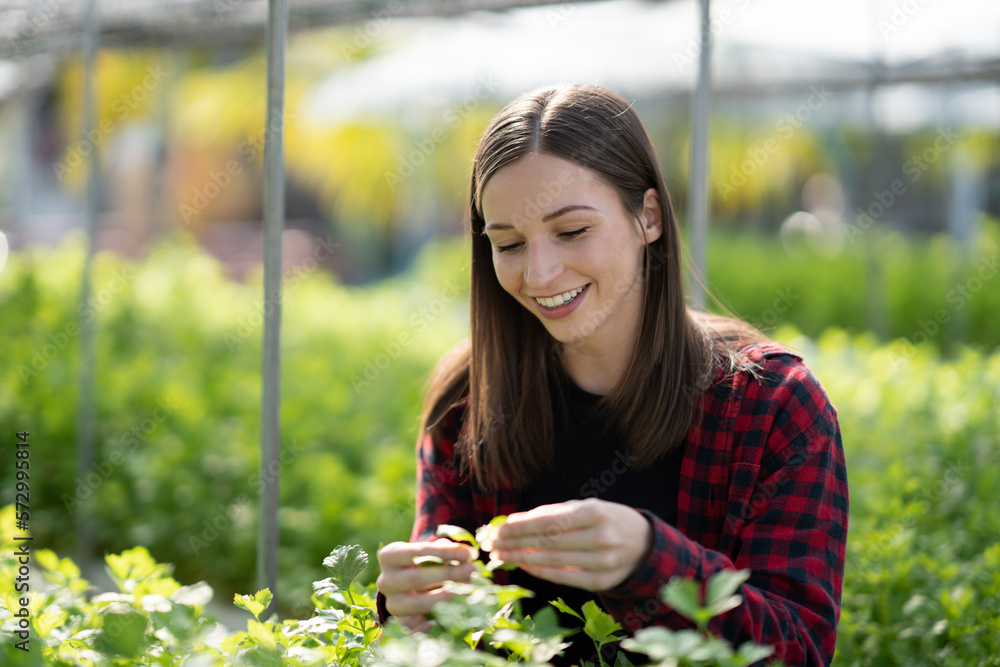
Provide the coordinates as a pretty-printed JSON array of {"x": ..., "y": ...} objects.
[{"x": 560, "y": 299}]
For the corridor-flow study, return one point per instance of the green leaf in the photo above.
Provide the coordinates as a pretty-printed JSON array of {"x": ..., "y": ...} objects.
[
  {"x": 371, "y": 634},
  {"x": 507, "y": 594},
  {"x": 458, "y": 615},
  {"x": 263, "y": 635},
  {"x": 47, "y": 559},
  {"x": 51, "y": 618},
  {"x": 456, "y": 534},
  {"x": 559, "y": 604},
  {"x": 197, "y": 596},
  {"x": 544, "y": 623},
  {"x": 264, "y": 597},
  {"x": 683, "y": 595},
  {"x": 486, "y": 533},
  {"x": 123, "y": 633},
  {"x": 255, "y": 604},
  {"x": 724, "y": 584},
  {"x": 494, "y": 564},
  {"x": 346, "y": 563},
  {"x": 622, "y": 661},
  {"x": 724, "y": 605},
  {"x": 713, "y": 651},
  {"x": 181, "y": 621},
  {"x": 750, "y": 653},
  {"x": 599, "y": 624},
  {"x": 661, "y": 643},
  {"x": 427, "y": 560}
]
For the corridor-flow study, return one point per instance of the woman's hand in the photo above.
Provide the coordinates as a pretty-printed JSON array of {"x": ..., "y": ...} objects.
[
  {"x": 590, "y": 544},
  {"x": 411, "y": 590}
]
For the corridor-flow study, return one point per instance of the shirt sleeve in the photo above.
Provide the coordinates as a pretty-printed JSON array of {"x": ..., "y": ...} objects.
[
  {"x": 443, "y": 491},
  {"x": 444, "y": 494},
  {"x": 790, "y": 532}
]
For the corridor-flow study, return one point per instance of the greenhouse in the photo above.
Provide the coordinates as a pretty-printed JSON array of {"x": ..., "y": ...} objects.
[{"x": 246, "y": 245}]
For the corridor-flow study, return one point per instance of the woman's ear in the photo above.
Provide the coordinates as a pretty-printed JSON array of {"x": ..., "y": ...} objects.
[{"x": 651, "y": 217}]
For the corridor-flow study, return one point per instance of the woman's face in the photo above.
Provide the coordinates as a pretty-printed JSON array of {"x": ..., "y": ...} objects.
[{"x": 566, "y": 249}]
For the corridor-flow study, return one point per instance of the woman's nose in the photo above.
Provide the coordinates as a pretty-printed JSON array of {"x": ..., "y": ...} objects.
[{"x": 542, "y": 267}]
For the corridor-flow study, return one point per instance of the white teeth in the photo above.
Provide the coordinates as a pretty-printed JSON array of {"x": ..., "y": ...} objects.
[{"x": 559, "y": 299}]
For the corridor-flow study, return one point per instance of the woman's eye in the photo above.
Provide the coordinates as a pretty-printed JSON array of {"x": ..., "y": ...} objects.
[
  {"x": 507, "y": 248},
  {"x": 575, "y": 232}
]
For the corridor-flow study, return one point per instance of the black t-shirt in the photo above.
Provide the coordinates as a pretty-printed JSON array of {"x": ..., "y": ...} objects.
[{"x": 592, "y": 460}]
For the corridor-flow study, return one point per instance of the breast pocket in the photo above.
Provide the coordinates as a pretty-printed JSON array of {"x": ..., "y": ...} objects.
[{"x": 740, "y": 506}]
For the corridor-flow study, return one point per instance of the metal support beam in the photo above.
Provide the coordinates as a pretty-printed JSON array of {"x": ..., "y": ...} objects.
[
  {"x": 698, "y": 177},
  {"x": 274, "y": 218},
  {"x": 85, "y": 428}
]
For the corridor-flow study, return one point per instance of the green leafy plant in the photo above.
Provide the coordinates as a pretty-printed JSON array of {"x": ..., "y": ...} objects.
[
  {"x": 483, "y": 617},
  {"x": 688, "y": 648},
  {"x": 153, "y": 620},
  {"x": 487, "y": 614},
  {"x": 599, "y": 625}
]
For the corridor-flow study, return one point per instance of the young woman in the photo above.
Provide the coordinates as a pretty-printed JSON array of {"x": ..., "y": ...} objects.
[{"x": 628, "y": 437}]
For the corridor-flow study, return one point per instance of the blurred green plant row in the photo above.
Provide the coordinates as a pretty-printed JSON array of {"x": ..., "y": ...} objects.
[
  {"x": 178, "y": 400},
  {"x": 921, "y": 290}
]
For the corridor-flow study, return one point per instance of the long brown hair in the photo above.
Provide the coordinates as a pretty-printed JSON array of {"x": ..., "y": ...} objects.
[{"x": 502, "y": 372}]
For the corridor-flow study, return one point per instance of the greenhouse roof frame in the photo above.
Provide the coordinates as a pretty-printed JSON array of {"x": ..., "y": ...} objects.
[{"x": 29, "y": 27}]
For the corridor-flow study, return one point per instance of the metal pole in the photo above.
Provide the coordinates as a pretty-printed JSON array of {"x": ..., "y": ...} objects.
[
  {"x": 877, "y": 288},
  {"x": 86, "y": 410},
  {"x": 274, "y": 213},
  {"x": 698, "y": 181}
]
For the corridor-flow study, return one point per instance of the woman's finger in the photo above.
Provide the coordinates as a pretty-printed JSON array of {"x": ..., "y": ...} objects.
[
  {"x": 401, "y": 554},
  {"x": 549, "y": 520},
  {"x": 584, "y": 539},
  {"x": 592, "y": 560},
  {"x": 412, "y": 578},
  {"x": 412, "y": 603}
]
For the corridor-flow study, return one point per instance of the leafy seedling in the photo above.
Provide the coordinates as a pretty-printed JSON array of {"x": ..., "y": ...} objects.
[
  {"x": 255, "y": 604},
  {"x": 684, "y": 595},
  {"x": 698, "y": 647},
  {"x": 344, "y": 565},
  {"x": 482, "y": 540},
  {"x": 457, "y": 534},
  {"x": 485, "y": 534}
]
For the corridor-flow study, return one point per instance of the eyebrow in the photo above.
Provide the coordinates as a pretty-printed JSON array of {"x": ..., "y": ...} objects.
[{"x": 546, "y": 218}]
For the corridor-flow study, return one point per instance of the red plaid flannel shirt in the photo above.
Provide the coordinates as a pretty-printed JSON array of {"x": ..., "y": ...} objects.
[{"x": 763, "y": 486}]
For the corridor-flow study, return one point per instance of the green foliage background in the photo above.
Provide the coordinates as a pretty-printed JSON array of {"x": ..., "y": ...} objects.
[
  {"x": 180, "y": 335},
  {"x": 921, "y": 431}
]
